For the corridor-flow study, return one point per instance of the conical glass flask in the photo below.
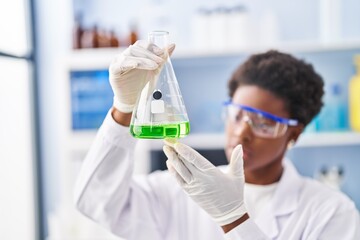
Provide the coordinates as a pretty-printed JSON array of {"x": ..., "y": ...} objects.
[{"x": 160, "y": 111}]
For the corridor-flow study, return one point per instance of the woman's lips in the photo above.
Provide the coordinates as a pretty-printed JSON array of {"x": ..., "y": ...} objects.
[{"x": 246, "y": 153}]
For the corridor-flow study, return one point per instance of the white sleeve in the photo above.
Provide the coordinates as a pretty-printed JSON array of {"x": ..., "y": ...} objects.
[
  {"x": 248, "y": 230},
  {"x": 106, "y": 191}
]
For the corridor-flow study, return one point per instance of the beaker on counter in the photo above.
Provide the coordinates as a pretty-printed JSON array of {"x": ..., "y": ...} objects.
[{"x": 160, "y": 111}]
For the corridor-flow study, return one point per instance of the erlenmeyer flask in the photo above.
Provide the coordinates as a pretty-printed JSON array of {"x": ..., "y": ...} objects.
[{"x": 160, "y": 111}]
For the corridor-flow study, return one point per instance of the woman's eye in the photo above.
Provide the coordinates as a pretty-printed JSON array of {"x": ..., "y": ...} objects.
[
  {"x": 265, "y": 121},
  {"x": 263, "y": 125}
]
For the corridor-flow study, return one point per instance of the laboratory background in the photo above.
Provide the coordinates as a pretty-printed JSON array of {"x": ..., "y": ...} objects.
[{"x": 54, "y": 94}]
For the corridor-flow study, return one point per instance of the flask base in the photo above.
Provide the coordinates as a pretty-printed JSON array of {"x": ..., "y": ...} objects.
[{"x": 171, "y": 130}]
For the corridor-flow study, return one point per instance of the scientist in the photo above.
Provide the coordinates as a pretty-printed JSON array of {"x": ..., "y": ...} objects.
[{"x": 259, "y": 195}]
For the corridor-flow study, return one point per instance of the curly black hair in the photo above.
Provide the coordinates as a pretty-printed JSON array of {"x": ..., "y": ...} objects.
[{"x": 288, "y": 78}]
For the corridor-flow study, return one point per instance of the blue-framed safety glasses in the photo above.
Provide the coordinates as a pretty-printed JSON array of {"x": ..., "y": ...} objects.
[{"x": 263, "y": 124}]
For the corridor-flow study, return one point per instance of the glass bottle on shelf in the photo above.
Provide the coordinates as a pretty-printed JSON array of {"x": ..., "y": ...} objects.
[
  {"x": 354, "y": 97},
  {"x": 91, "y": 38},
  {"x": 78, "y": 32},
  {"x": 160, "y": 111},
  {"x": 333, "y": 116},
  {"x": 114, "y": 41},
  {"x": 103, "y": 38},
  {"x": 133, "y": 35},
  {"x": 96, "y": 40}
]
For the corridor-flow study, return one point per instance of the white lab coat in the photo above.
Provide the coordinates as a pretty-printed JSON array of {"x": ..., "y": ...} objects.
[{"x": 154, "y": 207}]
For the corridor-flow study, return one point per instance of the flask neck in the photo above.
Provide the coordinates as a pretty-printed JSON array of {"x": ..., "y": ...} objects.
[{"x": 159, "y": 38}]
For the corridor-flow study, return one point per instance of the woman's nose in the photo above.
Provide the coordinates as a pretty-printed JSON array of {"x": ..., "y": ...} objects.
[{"x": 242, "y": 129}]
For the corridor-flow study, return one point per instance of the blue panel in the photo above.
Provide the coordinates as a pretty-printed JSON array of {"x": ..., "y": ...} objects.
[{"x": 91, "y": 98}]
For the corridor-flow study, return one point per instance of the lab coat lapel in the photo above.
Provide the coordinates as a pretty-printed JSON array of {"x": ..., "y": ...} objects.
[{"x": 289, "y": 186}]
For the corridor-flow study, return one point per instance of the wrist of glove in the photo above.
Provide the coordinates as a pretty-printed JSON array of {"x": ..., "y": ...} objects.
[
  {"x": 132, "y": 69},
  {"x": 219, "y": 194}
]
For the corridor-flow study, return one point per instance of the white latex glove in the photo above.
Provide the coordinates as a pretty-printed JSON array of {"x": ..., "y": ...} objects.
[
  {"x": 219, "y": 194},
  {"x": 132, "y": 69}
]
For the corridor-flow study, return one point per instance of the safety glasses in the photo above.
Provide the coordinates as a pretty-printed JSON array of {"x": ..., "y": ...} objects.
[{"x": 263, "y": 124}]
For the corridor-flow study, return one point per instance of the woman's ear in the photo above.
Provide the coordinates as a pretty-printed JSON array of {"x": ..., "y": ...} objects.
[{"x": 295, "y": 133}]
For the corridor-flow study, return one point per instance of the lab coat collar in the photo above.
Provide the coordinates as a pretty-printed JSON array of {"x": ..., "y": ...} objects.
[{"x": 289, "y": 185}]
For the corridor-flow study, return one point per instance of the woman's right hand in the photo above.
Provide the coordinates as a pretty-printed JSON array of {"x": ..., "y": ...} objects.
[{"x": 128, "y": 73}]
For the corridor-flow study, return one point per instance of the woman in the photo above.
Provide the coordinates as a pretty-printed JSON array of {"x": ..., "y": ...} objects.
[{"x": 273, "y": 97}]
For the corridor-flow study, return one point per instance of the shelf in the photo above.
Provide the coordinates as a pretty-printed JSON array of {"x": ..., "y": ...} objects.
[
  {"x": 291, "y": 47},
  {"x": 92, "y": 58},
  {"x": 83, "y": 140},
  {"x": 328, "y": 139},
  {"x": 100, "y": 58}
]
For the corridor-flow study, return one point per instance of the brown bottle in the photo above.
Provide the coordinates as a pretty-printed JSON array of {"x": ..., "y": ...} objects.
[
  {"x": 133, "y": 37},
  {"x": 104, "y": 39},
  {"x": 90, "y": 38},
  {"x": 96, "y": 38},
  {"x": 114, "y": 41},
  {"x": 78, "y": 32}
]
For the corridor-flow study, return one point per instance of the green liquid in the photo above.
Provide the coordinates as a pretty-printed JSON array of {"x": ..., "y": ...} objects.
[{"x": 173, "y": 130}]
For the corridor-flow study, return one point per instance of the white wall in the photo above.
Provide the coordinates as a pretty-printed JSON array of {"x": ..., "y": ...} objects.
[
  {"x": 17, "y": 197},
  {"x": 54, "y": 19},
  {"x": 54, "y": 30}
]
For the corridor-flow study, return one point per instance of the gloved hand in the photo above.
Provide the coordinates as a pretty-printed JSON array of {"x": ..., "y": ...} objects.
[
  {"x": 132, "y": 69},
  {"x": 219, "y": 194}
]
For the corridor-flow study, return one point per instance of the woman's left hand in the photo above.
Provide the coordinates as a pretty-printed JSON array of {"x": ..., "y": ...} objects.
[{"x": 219, "y": 194}]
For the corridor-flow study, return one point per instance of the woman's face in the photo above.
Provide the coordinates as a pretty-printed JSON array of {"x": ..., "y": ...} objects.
[{"x": 262, "y": 156}]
